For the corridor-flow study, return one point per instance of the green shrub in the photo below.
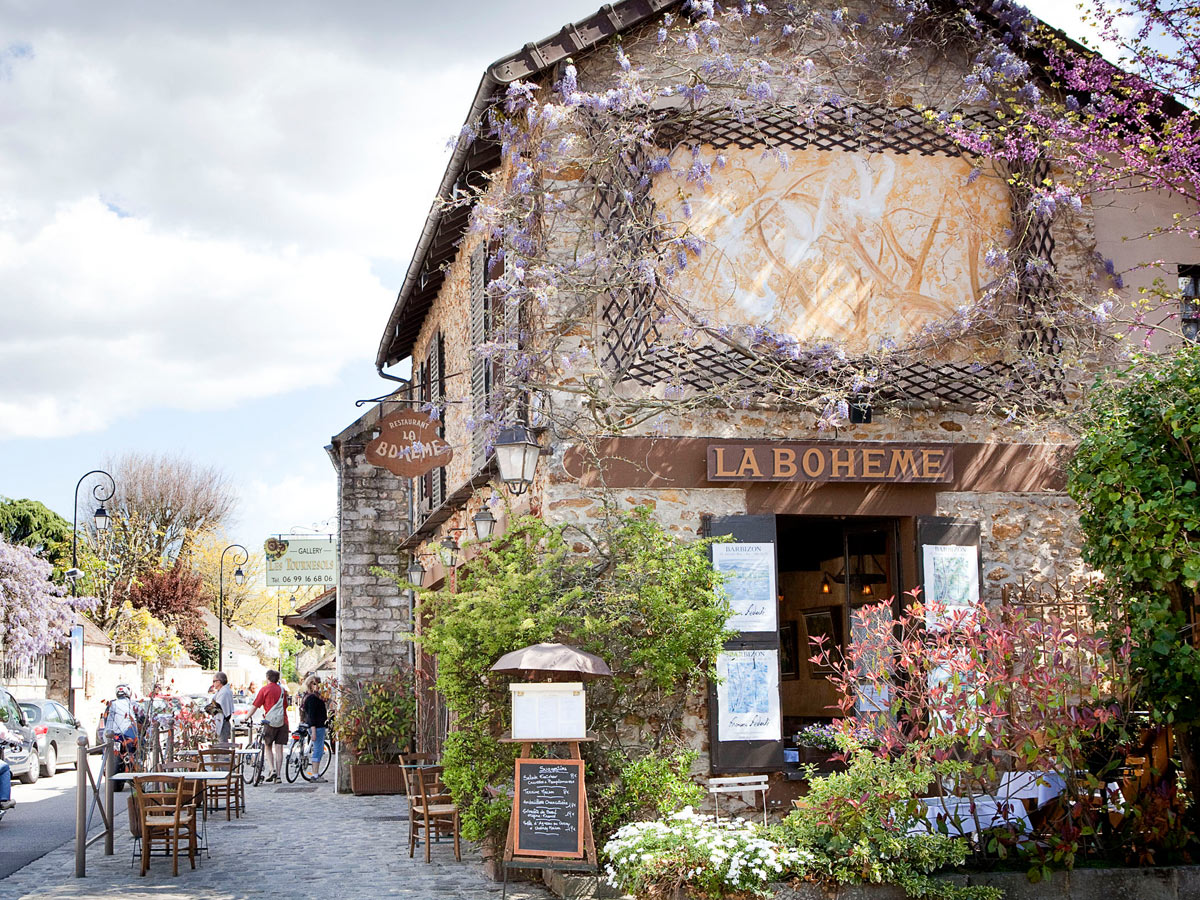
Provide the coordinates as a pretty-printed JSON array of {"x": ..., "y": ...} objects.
[
  {"x": 646, "y": 602},
  {"x": 649, "y": 786},
  {"x": 854, "y": 827}
]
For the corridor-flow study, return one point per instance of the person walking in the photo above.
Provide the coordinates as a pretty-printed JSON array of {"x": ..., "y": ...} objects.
[
  {"x": 223, "y": 699},
  {"x": 314, "y": 712},
  {"x": 272, "y": 700},
  {"x": 13, "y": 738}
]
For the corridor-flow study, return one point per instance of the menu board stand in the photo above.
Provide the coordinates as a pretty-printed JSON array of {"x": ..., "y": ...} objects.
[{"x": 585, "y": 860}]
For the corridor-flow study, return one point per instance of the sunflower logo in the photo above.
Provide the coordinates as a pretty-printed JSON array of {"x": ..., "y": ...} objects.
[{"x": 275, "y": 548}]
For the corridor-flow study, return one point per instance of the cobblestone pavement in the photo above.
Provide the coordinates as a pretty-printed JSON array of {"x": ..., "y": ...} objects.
[{"x": 300, "y": 841}]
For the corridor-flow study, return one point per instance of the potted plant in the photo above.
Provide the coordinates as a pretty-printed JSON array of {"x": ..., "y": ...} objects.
[{"x": 375, "y": 722}]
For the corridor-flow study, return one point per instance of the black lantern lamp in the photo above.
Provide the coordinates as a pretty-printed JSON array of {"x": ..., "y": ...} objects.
[
  {"x": 101, "y": 518},
  {"x": 485, "y": 524},
  {"x": 516, "y": 455},
  {"x": 239, "y": 577},
  {"x": 450, "y": 545},
  {"x": 415, "y": 572}
]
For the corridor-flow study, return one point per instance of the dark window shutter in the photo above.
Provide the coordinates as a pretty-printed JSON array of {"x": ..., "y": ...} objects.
[
  {"x": 481, "y": 367},
  {"x": 437, "y": 383},
  {"x": 427, "y": 398},
  {"x": 759, "y": 755}
]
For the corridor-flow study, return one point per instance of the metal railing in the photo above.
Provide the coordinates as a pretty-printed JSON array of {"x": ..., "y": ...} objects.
[{"x": 96, "y": 791}]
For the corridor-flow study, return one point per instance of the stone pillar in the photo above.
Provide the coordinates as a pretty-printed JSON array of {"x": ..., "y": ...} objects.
[{"x": 373, "y": 519}]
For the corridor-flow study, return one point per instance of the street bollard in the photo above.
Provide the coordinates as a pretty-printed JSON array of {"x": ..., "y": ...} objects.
[
  {"x": 110, "y": 769},
  {"x": 81, "y": 805}
]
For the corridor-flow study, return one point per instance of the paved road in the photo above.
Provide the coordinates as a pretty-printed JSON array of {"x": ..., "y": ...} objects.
[
  {"x": 43, "y": 819},
  {"x": 301, "y": 842}
]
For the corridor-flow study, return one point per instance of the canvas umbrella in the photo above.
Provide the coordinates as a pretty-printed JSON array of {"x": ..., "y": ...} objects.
[{"x": 552, "y": 659}]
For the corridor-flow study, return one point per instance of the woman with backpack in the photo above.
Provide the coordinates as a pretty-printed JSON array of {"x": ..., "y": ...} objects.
[{"x": 272, "y": 700}]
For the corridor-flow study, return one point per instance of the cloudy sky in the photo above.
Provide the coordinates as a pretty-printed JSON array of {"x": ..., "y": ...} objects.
[{"x": 206, "y": 211}]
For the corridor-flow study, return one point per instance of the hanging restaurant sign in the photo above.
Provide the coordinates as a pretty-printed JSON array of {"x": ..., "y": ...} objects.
[
  {"x": 828, "y": 461},
  {"x": 409, "y": 445}
]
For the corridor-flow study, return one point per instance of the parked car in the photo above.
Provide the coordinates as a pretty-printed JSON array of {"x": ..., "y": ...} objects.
[
  {"x": 26, "y": 762},
  {"x": 56, "y": 732}
]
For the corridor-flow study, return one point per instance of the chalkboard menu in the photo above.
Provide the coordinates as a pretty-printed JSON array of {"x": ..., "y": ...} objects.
[{"x": 547, "y": 807}]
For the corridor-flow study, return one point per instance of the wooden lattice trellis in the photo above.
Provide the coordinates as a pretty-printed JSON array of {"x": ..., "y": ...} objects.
[{"x": 632, "y": 347}]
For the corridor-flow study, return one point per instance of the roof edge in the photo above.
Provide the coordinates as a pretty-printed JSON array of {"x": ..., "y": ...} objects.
[{"x": 533, "y": 58}]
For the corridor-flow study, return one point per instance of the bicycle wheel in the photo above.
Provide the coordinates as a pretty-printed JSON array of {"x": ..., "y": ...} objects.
[
  {"x": 248, "y": 764},
  {"x": 323, "y": 765},
  {"x": 294, "y": 764},
  {"x": 256, "y": 767}
]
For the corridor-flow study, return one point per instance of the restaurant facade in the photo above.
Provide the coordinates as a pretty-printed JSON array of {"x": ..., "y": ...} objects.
[{"x": 922, "y": 480}]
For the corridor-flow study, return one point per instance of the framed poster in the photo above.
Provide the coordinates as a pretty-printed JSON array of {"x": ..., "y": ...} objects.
[
  {"x": 748, "y": 696},
  {"x": 76, "y": 645},
  {"x": 951, "y": 578},
  {"x": 789, "y": 656},
  {"x": 818, "y": 623},
  {"x": 749, "y": 570}
]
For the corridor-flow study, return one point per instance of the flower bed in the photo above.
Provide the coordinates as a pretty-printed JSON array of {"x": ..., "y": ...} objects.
[{"x": 686, "y": 850}]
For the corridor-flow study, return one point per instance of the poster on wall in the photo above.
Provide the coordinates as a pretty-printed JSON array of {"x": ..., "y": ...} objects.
[
  {"x": 748, "y": 696},
  {"x": 951, "y": 578},
  {"x": 299, "y": 562},
  {"x": 76, "y": 644},
  {"x": 749, "y": 571}
]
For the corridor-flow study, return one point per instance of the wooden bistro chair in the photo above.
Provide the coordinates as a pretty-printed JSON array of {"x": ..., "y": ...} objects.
[
  {"x": 164, "y": 815},
  {"x": 222, "y": 759},
  {"x": 432, "y": 811},
  {"x": 409, "y": 763}
]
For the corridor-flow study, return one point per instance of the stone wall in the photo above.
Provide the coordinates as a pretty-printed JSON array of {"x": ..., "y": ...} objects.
[
  {"x": 1023, "y": 536},
  {"x": 373, "y": 518}
]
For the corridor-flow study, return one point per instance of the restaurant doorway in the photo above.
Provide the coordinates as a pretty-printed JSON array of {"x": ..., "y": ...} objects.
[{"x": 828, "y": 567}]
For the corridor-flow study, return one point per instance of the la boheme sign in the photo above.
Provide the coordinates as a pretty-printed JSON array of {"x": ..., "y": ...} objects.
[
  {"x": 828, "y": 461},
  {"x": 409, "y": 445}
]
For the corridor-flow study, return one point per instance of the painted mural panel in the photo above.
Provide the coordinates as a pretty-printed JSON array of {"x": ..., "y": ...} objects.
[{"x": 837, "y": 245}]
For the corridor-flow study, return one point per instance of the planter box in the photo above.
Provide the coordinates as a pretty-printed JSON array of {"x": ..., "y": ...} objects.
[{"x": 376, "y": 779}]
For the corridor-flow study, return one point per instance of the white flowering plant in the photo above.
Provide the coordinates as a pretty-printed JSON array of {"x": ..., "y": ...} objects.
[{"x": 713, "y": 858}]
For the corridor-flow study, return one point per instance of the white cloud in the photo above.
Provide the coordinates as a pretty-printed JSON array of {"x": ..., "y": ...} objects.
[
  {"x": 107, "y": 316},
  {"x": 302, "y": 501}
]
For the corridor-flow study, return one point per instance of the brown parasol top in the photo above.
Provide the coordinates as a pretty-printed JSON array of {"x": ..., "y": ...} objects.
[{"x": 552, "y": 659}]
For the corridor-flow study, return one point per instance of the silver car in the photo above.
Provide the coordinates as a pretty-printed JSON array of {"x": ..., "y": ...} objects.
[
  {"x": 24, "y": 760},
  {"x": 55, "y": 731}
]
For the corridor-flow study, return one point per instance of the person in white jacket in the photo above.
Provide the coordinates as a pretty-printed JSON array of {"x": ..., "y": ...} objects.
[{"x": 223, "y": 718}]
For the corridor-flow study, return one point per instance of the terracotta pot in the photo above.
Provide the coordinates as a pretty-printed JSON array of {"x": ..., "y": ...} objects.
[{"x": 376, "y": 779}]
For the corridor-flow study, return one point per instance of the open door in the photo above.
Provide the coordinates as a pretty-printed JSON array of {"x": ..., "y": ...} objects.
[{"x": 744, "y": 710}]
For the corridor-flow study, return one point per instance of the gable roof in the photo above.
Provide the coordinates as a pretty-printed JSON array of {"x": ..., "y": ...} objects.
[{"x": 444, "y": 228}]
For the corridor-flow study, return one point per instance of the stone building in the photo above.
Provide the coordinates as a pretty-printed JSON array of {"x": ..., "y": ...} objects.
[{"x": 877, "y": 227}]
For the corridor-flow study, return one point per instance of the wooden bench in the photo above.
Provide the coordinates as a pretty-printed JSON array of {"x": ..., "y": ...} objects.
[{"x": 737, "y": 784}]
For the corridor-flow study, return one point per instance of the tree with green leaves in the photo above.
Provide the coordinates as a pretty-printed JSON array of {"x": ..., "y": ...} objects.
[
  {"x": 32, "y": 524},
  {"x": 1135, "y": 476},
  {"x": 646, "y": 602}
]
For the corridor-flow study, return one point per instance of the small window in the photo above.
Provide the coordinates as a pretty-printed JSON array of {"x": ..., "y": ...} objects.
[
  {"x": 1189, "y": 311},
  {"x": 33, "y": 715}
]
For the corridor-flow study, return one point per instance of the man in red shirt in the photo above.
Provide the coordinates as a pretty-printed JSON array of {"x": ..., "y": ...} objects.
[{"x": 272, "y": 699}]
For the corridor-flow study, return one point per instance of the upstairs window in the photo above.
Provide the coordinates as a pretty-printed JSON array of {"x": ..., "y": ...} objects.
[{"x": 1189, "y": 311}]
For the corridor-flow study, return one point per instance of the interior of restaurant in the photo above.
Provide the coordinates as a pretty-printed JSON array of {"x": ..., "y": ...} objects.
[{"x": 827, "y": 568}]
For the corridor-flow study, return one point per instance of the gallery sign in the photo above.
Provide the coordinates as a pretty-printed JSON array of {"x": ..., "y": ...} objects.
[
  {"x": 409, "y": 445},
  {"x": 823, "y": 461},
  {"x": 299, "y": 562}
]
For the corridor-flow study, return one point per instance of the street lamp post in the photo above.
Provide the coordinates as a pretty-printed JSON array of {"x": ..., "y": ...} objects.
[
  {"x": 239, "y": 578},
  {"x": 99, "y": 518}
]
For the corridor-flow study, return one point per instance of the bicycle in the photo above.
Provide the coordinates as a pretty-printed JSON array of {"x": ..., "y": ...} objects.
[
  {"x": 299, "y": 756},
  {"x": 252, "y": 768}
]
